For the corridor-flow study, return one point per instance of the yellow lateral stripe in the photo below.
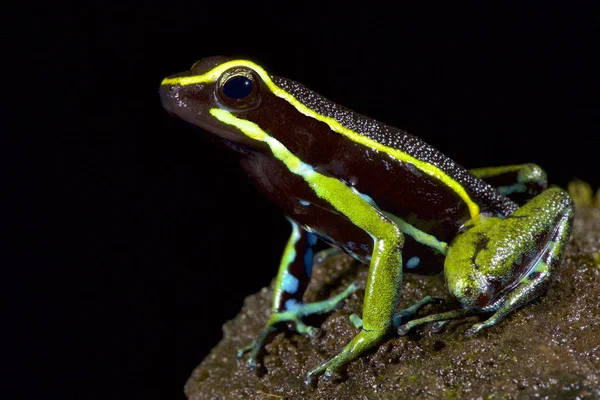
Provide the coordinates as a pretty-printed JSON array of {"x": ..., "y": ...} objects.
[
  {"x": 333, "y": 124},
  {"x": 334, "y": 191}
]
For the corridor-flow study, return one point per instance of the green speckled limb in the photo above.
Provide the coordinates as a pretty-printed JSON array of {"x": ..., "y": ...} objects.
[{"x": 483, "y": 261}]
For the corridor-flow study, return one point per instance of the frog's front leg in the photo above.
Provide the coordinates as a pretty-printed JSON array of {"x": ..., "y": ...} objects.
[
  {"x": 292, "y": 279},
  {"x": 525, "y": 179},
  {"x": 381, "y": 293}
]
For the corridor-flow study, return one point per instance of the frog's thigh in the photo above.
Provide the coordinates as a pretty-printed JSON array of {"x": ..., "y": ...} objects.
[
  {"x": 509, "y": 179},
  {"x": 555, "y": 209}
]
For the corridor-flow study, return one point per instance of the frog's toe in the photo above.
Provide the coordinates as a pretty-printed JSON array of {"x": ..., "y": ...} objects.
[
  {"x": 314, "y": 332},
  {"x": 253, "y": 349},
  {"x": 309, "y": 379},
  {"x": 327, "y": 376},
  {"x": 240, "y": 353},
  {"x": 304, "y": 329},
  {"x": 474, "y": 329},
  {"x": 403, "y": 329},
  {"x": 321, "y": 369},
  {"x": 401, "y": 317},
  {"x": 251, "y": 364},
  {"x": 437, "y": 327}
]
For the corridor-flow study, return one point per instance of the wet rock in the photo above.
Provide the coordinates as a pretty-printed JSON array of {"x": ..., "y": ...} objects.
[{"x": 549, "y": 349}]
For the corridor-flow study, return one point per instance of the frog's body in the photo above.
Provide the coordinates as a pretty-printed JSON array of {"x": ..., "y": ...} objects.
[{"x": 381, "y": 195}]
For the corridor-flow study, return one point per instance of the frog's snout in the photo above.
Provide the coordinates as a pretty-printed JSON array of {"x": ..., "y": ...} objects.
[
  {"x": 164, "y": 97},
  {"x": 169, "y": 96},
  {"x": 188, "y": 102}
]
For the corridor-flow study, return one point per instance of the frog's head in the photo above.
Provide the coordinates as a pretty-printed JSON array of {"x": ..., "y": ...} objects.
[{"x": 214, "y": 93}]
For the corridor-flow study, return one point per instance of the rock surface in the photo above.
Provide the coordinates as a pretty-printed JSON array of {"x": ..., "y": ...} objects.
[{"x": 549, "y": 349}]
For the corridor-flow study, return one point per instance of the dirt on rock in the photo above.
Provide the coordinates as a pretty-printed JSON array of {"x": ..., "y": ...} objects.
[{"x": 549, "y": 349}]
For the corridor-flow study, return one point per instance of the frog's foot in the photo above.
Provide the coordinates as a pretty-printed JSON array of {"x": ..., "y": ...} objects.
[
  {"x": 362, "y": 342},
  {"x": 411, "y": 311},
  {"x": 440, "y": 319},
  {"x": 294, "y": 314},
  {"x": 256, "y": 346},
  {"x": 477, "y": 327}
]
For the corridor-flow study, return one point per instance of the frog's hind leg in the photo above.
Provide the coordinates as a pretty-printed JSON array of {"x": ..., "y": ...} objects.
[
  {"x": 411, "y": 311},
  {"x": 503, "y": 264},
  {"x": 440, "y": 319},
  {"x": 291, "y": 282},
  {"x": 554, "y": 202},
  {"x": 481, "y": 262},
  {"x": 523, "y": 181}
]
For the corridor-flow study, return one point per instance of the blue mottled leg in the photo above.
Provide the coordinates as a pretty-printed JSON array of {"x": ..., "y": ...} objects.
[
  {"x": 524, "y": 179},
  {"x": 291, "y": 282}
]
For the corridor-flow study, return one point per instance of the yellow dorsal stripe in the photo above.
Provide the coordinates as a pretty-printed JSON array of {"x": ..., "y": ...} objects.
[{"x": 428, "y": 168}]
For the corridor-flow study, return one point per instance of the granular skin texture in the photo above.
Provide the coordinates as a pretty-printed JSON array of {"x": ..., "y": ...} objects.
[{"x": 549, "y": 349}]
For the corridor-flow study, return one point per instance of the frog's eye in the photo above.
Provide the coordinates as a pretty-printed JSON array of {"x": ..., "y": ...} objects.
[{"x": 238, "y": 88}]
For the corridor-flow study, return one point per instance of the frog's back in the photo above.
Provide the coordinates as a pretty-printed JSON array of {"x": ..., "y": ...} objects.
[{"x": 402, "y": 174}]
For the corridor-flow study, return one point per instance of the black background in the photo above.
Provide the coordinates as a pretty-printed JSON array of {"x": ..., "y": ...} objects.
[{"x": 136, "y": 239}]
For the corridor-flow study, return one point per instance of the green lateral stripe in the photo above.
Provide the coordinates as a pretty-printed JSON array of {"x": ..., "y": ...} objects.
[
  {"x": 422, "y": 237},
  {"x": 333, "y": 124},
  {"x": 340, "y": 196}
]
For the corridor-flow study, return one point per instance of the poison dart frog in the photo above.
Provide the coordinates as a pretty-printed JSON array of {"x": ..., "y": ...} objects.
[{"x": 381, "y": 195}]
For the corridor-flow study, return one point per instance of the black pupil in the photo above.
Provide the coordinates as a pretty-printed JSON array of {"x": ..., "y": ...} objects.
[{"x": 237, "y": 87}]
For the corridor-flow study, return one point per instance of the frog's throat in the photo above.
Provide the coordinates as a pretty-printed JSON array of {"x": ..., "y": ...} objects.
[
  {"x": 357, "y": 207},
  {"x": 334, "y": 125}
]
